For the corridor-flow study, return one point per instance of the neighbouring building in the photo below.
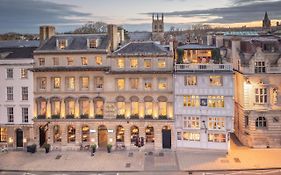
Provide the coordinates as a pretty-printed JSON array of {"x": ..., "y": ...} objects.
[
  {"x": 203, "y": 98},
  {"x": 256, "y": 61},
  {"x": 88, "y": 91},
  {"x": 157, "y": 27},
  {"x": 16, "y": 105}
]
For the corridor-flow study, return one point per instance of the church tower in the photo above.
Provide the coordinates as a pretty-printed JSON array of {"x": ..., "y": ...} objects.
[
  {"x": 266, "y": 23},
  {"x": 157, "y": 27}
]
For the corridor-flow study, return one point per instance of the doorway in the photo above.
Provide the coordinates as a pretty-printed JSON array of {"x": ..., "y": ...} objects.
[
  {"x": 166, "y": 137},
  {"x": 19, "y": 136},
  {"x": 42, "y": 136},
  {"x": 102, "y": 136}
]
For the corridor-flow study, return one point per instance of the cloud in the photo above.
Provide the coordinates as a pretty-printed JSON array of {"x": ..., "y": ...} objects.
[
  {"x": 26, "y": 15},
  {"x": 241, "y": 2},
  {"x": 234, "y": 14}
]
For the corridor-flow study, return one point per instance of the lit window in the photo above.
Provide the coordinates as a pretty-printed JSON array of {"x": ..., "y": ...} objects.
[
  {"x": 220, "y": 138},
  {"x": 191, "y": 101},
  {"x": 41, "y": 61},
  {"x": 70, "y": 83},
  {"x": 121, "y": 108},
  {"x": 55, "y": 107},
  {"x": 42, "y": 83},
  {"x": 23, "y": 73},
  {"x": 56, "y": 82},
  {"x": 24, "y": 112},
  {"x": 84, "y": 82},
  {"x": 216, "y": 101},
  {"x": 190, "y": 80},
  {"x": 84, "y": 107},
  {"x": 42, "y": 107},
  {"x": 121, "y": 63},
  {"x": 147, "y": 84},
  {"x": 10, "y": 114},
  {"x": 179, "y": 137},
  {"x": 261, "y": 95},
  {"x": 71, "y": 134},
  {"x": 70, "y": 61},
  {"x": 99, "y": 82},
  {"x": 189, "y": 136},
  {"x": 93, "y": 43},
  {"x": 57, "y": 134},
  {"x": 84, "y": 61},
  {"x": 98, "y": 60},
  {"x": 216, "y": 123},
  {"x": 134, "y": 83},
  {"x": 161, "y": 63},
  {"x": 56, "y": 61},
  {"x": 99, "y": 107},
  {"x": 162, "y": 83},
  {"x": 148, "y": 108},
  {"x": 191, "y": 122},
  {"x": 147, "y": 63},
  {"x": 3, "y": 134},
  {"x": 260, "y": 67},
  {"x": 135, "y": 108},
  {"x": 216, "y": 80},
  {"x": 62, "y": 43},
  {"x": 85, "y": 133},
  {"x": 70, "y": 107},
  {"x": 121, "y": 84},
  {"x": 162, "y": 108},
  {"x": 10, "y": 73},
  {"x": 24, "y": 93},
  {"x": 10, "y": 93},
  {"x": 134, "y": 62},
  {"x": 261, "y": 122}
]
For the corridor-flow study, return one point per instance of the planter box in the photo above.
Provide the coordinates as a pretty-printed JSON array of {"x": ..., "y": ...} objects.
[
  {"x": 98, "y": 116},
  {"x": 55, "y": 116},
  {"x": 31, "y": 148},
  {"x": 148, "y": 117},
  {"x": 41, "y": 117},
  {"x": 86, "y": 116},
  {"x": 134, "y": 117},
  {"x": 69, "y": 116},
  {"x": 120, "y": 116},
  {"x": 163, "y": 117}
]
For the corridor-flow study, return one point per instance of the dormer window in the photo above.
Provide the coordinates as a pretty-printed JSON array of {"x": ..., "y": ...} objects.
[
  {"x": 62, "y": 43},
  {"x": 260, "y": 67},
  {"x": 93, "y": 43}
]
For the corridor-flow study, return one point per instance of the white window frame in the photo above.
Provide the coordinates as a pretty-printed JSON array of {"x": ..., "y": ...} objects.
[{"x": 24, "y": 93}]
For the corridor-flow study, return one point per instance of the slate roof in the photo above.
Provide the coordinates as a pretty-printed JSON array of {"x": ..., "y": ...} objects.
[
  {"x": 75, "y": 42},
  {"x": 16, "y": 52},
  {"x": 19, "y": 43},
  {"x": 141, "y": 48},
  {"x": 140, "y": 36},
  {"x": 196, "y": 46}
]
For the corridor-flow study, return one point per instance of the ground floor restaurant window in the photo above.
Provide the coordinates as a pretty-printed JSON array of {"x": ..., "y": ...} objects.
[
  {"x": 189, "y": 136},
  {"x": 216, "y": 138},
  {"x": 3, "y": 134},
  {"x": 120, "y": 134},
  {"x": 70, "y": 134},
  {"x": 57, "y": 133},
  {"x": 85, "y": 133},
  {"x": 149, "y": 133},
  {"x": 134, "y": 134}
]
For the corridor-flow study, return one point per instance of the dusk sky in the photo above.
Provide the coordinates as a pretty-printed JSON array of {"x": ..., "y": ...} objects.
[{"x": 26, "y": 15}]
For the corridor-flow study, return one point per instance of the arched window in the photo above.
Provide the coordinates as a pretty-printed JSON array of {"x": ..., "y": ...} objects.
[
  {"x": 148, "y": 106},
  {"x": 57, "y": 134},
  {"x": 121, "y": 106},
  {"x": 261, "y": 122},
  {"x": 85, "y": 133},
  {"x": 120, "y": 134},
  {"x": 70, "y": 106},
  {"x": 134, "y": 107},
  {"x": 41, "y": 106},
  {"x": 70, "y": 134},
  {"x": 84, "y": 106},
  {"x": 99, "y": 105},
  {"x": 55, "y": 106}
]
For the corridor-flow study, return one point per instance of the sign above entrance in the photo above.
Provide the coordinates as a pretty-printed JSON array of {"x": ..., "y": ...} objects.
[{"x": 92, "y": 131}]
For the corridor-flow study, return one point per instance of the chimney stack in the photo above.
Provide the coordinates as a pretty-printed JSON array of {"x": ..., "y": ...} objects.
[
  {"x": 46, "y": 32},
  {"x": 112, "y": 31}
]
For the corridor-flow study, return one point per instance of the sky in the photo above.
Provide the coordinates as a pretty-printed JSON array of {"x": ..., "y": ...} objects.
[{"x": 25, "y": 16}]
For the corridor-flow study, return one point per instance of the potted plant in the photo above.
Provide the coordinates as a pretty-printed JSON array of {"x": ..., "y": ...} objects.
[
  {"x": 93, "y": 149},
  {"x": 41, "y": 117},
  {"x": 98, "y": 116},
  {"x": 120, "y": 116},
  {"x": 109, "y": 146},
  {"x": 84, "y": 116},
  {"x": 31, "y": 148},
  {"x": 148, "y": 117},
  {"x": 163, "y": 117},
  {"x": 47, "y": 147},
  {"x": 69, "y": 116},
  {"x": 55, "y": 116}
]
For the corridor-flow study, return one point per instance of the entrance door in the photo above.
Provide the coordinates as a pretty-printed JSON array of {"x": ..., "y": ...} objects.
[
  {"x": 102, "y": 136},
  {"x": 42, "y": 136},
  {"x": 166, "y": 138},
  {"x": 19, "y": 135}
]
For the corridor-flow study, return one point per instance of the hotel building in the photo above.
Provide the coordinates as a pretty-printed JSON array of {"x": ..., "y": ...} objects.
[{"x": 203, "y": 105}]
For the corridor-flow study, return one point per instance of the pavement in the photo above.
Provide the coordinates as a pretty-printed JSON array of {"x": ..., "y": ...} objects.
[{"x": 142, "y": 161}]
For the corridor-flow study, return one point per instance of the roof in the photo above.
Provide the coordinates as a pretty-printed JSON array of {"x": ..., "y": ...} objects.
[
  {"x": 140, "y": 36},
  {"x": 141, "y": 48},
  {"x": 196, "y": 46},
  {"x": 17, "y": 52},
  {"x": 19, "y": 43},
  {"x": 75, "y": 42}
]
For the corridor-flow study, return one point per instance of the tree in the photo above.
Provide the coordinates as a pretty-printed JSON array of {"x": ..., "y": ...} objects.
[{"x": 92, "y": 27}]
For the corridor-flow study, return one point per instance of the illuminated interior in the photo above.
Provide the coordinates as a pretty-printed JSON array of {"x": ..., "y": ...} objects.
[{"x": 197, "y": 56}]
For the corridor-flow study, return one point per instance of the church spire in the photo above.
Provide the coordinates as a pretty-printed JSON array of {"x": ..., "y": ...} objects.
[{"x": 266, "y": 24}]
